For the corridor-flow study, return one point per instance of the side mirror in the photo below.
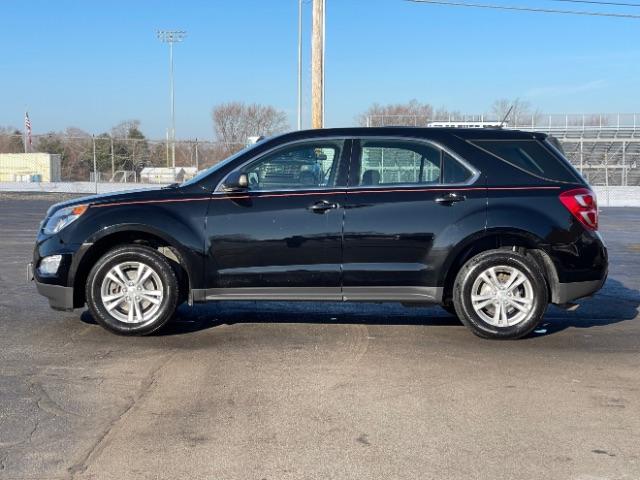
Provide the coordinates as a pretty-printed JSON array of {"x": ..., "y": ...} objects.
[{"x": 236, "y": 182}]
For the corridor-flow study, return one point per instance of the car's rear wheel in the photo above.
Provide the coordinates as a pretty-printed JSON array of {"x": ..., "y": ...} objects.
[
  {"x": 500, "y": 294},
  {"x": 132, "y": 290}
]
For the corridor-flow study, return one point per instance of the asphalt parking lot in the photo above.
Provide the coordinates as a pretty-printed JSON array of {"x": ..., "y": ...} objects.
[{"x": 316, "y": 391}]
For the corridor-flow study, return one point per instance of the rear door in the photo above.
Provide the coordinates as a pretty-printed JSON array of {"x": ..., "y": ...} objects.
[{"x": 408, "y": 203}]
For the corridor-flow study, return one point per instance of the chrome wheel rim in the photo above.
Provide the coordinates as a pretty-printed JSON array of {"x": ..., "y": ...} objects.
[
  {"x": 502, "y": 296},
  {"x": 132, "y": 292}
]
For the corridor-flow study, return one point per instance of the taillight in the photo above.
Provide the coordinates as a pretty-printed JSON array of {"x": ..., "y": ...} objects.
[{"x": 582, "y": 204}]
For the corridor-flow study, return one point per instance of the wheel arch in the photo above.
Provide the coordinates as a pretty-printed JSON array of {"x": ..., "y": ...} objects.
[
  {"x": 111, "y": 238},
  {"x": 498, "y": 238}
]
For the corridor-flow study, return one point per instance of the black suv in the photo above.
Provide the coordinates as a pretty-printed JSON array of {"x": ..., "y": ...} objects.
[{"x": 491, "y": 224}]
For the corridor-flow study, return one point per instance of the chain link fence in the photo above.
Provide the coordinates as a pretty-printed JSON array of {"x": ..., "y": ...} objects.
[
  {"x": 106, "y": 159},
  {"x": 605, "y": 148},
  {"x": 603, "y": 122}
]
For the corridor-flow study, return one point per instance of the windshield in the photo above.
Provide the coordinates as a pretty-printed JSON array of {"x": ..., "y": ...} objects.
[{"x": 204, "y": 173}]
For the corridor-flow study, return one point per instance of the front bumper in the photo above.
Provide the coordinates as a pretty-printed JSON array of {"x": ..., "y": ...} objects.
[
  {"x": 60, "y": 298},
  {"x": 58, "y": 287}
]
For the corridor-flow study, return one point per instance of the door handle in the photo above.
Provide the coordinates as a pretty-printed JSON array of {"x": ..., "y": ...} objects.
[
  {"x": 322, "y": 206},
  {"x": 450, "y": 198}
]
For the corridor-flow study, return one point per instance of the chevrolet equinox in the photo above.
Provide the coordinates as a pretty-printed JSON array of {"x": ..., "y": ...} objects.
[{"x": 491, "y": 224}]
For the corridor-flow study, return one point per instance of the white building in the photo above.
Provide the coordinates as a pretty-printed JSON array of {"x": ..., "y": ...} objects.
[
  {"x": 29, "y": 167},
  {"x": 163, "y": 175}
]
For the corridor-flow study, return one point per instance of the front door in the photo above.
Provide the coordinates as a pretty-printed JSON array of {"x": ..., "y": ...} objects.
[
  {"x": 407, "y": 204},
  {"x": 282, "y": 238}
]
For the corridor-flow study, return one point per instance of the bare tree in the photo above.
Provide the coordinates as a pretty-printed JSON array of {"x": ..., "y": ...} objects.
[
  {"x": 234, "y": 122},
  {"x": 411, "y": 113},
  {"x": 11, "y": 140},
  {"x": 521, "y": 111},
  {"x": 443, "y": 114},
  {"x": 75, "y": 149}
]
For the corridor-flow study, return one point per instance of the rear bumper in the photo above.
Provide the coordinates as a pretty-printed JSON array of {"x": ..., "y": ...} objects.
[
  {"x": 567, "y": 292},
  {"x": 60, "y": 298}
]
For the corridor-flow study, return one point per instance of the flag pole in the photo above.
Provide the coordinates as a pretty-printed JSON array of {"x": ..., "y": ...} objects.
[
  {"x": 27, "y": 131},
  {"x": 24, "y": 132}
]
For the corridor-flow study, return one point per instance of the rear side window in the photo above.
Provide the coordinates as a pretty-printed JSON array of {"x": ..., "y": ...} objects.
[
  {"x": 453, "y": 171},
  {"x": 529, "y": 155},
  {"x": 388, "y": 162}
]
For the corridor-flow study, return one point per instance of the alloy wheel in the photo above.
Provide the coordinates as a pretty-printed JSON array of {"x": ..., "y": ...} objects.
[
  {"x": 502, "y": 296},
  {"x": 132, "y": 292}
]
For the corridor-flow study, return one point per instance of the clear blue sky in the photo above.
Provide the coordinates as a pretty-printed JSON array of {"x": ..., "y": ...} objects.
[{"x": 91, "y": 64}]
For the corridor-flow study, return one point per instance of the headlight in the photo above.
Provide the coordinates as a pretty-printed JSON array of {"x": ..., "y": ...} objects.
[{"x": 64, "y": 217}]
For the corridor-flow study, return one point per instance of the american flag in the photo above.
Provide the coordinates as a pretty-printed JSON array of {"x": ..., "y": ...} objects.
[{"x": 27, "y": 130}]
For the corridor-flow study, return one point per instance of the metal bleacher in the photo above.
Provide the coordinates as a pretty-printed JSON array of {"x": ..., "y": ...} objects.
[{"x": 604, "y": 147}]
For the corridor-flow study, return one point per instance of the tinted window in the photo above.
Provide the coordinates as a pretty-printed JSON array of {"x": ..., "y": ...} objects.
[
  {"x": 302, "y": 166},
  {"x": 529, "y": 155},
  {"x": 453, "y": 171},
  {"x": 556, "y": 144},
  {"x": 388, "y": 162}
]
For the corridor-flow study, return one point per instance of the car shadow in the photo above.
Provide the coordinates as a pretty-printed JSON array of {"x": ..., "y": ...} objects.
[
  {"x": 208, "y": 315},
  {"x": 613, "y": 304},
  {"x": 201, "y": 317}
]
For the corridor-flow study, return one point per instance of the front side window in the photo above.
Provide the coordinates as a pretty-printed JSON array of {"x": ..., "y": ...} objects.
[
  {"x": 297, "y": 167},
  {"x": 389, "y": 162}
]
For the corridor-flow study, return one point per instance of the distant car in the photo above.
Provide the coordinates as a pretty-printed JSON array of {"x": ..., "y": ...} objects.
[{"x": 491, "y": 224}]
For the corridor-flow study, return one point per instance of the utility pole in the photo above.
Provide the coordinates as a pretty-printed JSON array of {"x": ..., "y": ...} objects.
[
  {"x": 324, "y": 37},
  {"x": 113, "y": 160},
  {"x": 95, "y": 163},
  {"x": 299, "y": 64},
  {"x": 317, "y": 65},
  {"x": 167, "y": 145},
  {"x": 197, "y": 164},
  {"x": 171, "y": 37}
]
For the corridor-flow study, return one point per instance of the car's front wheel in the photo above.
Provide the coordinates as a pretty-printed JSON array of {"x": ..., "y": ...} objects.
[
  {"x": 500, "y": 294},
  {"x": 132, "y": 290}
]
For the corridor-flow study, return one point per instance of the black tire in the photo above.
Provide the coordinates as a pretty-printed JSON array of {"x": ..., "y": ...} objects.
[
  {"x": 469, "y": 274},
  {"x": 152, "y": 259}
]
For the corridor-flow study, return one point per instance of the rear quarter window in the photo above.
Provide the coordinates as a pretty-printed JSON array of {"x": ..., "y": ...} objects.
[{"x": 530, "y": 156}]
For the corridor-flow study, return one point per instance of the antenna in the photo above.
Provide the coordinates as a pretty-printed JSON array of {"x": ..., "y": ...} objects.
[{"x": 506, "y": 116}]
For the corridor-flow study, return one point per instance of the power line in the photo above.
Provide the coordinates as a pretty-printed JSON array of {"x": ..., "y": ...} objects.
[
  {"x": 595, "y": 2},
  {"x": 525, "y": 9}
]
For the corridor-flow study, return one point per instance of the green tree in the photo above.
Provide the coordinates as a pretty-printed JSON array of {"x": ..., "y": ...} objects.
[
  {"x": 75, "y": 149},
  {"x": 131, "y": 148}
]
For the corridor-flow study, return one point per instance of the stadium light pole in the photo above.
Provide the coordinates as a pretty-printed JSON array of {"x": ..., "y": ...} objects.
[{"x": 171, "y": 37}]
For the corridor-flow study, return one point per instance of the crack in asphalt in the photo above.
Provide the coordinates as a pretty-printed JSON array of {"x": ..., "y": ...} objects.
[
  {"x": 103, "y": 440},
  {"x": 45, "y": 403}
]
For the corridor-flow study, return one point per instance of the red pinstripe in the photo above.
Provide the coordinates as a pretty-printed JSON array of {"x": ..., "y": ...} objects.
[{"x": 306, "y": 194}]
